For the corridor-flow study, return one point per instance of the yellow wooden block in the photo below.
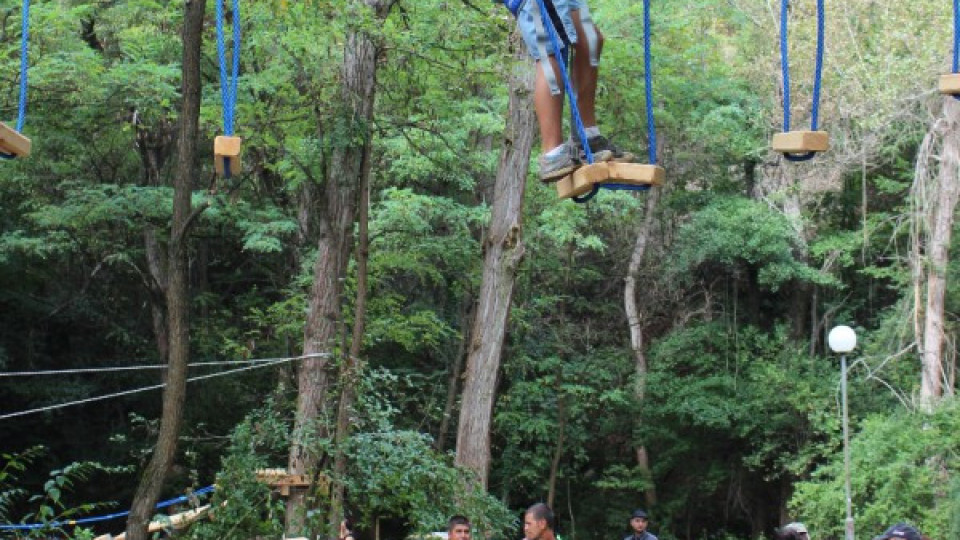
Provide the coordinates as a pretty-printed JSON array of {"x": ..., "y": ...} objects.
[
  {"x": 950, "y": 84},
  {"x": 581, "y": 181},
  {"x": 226, "y": 147},
  {"x": 636, "y": 174},
  {"x": 801, "y": 142},
  {"x": 13, "y": 143}
]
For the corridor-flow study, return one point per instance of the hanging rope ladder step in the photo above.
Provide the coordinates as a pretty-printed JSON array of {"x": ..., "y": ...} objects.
[
  {"x": 226, "y": 148},
  {"x": 609, "y": 173},
  {"x": 585, "y": 182},
  {"x": 12, "y": 142},
  {"x": 800, "y": 145},
  {"x": 950, "y": 83}
]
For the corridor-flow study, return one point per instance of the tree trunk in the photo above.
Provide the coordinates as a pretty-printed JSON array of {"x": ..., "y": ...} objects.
[
  {"x": 937, "y": 250},
  {"x": 503, "y": 251},
  {"x": 334, "y": 233},
  {"x": 351, "y": 364},
  {"x": 635, "y": 324},
  {"x": 177, "y": 298}
]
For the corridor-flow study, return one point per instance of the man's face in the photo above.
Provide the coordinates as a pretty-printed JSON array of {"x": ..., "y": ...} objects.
[
  {"x": 532, "y": 527},
  {"x": 459, "y": 532},
  {"x": 638, "y": 524}
]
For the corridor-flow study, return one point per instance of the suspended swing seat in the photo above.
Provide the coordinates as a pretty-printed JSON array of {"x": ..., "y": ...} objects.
[
  {"x": 950, "y": 84},
  {"x": 801, "y": 142},
  {"x": 226, "y": 152},
  {"x": 583, "y": 179},
  {"x": 13, "y": 143}
]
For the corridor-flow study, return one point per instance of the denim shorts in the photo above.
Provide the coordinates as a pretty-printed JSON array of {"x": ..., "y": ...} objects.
[{"x": 527, "y": 19}]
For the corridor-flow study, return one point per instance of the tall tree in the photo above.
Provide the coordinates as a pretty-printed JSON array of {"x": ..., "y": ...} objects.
[
  {"x": 635, "y": 323},
  {"x": 334, "y": 226},
  {"x": 176, "y": 294},
  {"x": 503, "y": 250},
  {"x": 935, "y": 197}
]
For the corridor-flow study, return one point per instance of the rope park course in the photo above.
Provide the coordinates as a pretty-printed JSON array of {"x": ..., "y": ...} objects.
[
  {"x": 226, "y": 147},
  {"x": 950, "y": 83},
  {"x": 584, "y": 183},
  {"x": 800, "y": 145},
  {"x": 12, "y": 143}
]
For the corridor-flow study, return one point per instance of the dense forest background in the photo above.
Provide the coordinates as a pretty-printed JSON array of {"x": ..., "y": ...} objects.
[{"x": 664, "y": 349}]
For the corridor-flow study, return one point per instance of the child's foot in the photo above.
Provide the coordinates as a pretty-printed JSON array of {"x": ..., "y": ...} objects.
[
  {"x": 603, "y": 150},
  {"x": 554, "y": 166}
]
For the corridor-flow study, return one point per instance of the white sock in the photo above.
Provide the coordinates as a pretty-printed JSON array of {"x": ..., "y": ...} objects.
[
  {"x": 557, "y": 151},
  {"x": 592, "y": 131}
]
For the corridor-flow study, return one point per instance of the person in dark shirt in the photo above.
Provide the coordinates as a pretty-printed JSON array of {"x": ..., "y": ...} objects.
[{"x": 638, "y": 524}]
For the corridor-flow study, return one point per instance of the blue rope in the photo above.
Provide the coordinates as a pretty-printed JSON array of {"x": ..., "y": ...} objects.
[
  {"x": 956, "y": 36},
  {"x": 228, "y": 83},
  {"x": 24, "y": 46},
  {"x": 648, "y": 84},
  {"x": 95, "y": 519},
  {"x": 651, "y": 126},
  {"x": 559, "y": 55},
  {"x": 817, "y": 78}
]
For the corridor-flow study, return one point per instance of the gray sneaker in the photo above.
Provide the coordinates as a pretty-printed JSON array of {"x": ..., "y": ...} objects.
[
  {"x": 603, "y": 150},
  {"x": 554, "y": 168}
]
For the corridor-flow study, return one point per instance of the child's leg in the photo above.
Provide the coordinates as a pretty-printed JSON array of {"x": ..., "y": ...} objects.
[
  {"x": 549, "y": 110},
  {"x": 585, "y": 75}
]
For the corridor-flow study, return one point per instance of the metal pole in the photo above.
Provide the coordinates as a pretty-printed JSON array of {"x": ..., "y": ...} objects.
[{"x": 846, "y": 448}]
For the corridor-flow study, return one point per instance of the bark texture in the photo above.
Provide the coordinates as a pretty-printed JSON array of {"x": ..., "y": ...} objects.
[
  {"x": 503, "y": 251},
  {"x": 940, "y": 226},
  {"x": 177, "y": 289},
  {"x": 636, "y": 324},
  {"x": 337, "y": 207}
]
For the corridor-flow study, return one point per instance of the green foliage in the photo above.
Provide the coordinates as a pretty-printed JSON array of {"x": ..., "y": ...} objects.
[
  {"x": 733, "y": 233},
  {"x": 903, "y": 468},
  {"x": 50, "y": 510}
]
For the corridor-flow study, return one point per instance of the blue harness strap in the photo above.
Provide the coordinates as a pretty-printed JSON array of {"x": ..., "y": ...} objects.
[
  {"x": 818, "y": 70},
  {"x": 228, "y": 83},
  {"x": 24, "y": 46}
]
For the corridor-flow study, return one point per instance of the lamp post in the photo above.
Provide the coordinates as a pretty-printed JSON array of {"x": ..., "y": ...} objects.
[{"x": 842, "y": 339}]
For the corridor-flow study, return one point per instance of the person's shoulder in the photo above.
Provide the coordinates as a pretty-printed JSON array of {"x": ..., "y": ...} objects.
[{"x": 650, "y": 536}]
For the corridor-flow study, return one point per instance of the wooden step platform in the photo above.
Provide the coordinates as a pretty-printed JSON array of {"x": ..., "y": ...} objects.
[
  {"x": 279, "y": 478},
  {"x": 226, "y": 147},
  {"x": 801, "y": 142},
  {"x": 175, "y": 522},
  {"x": 583, "y": 179},
  {"x": 950, "y": 84},
  {"x": 12, "y": 142}
]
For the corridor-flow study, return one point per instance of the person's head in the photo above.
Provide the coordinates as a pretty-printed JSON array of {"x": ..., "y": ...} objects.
[
  {"x": 346, "y": 528},
  {"x": 458, "y": 528},
  {"x": 794, "y": 531},
  {"x": 638, "y": 521},
  {"x": 538, "y": 522},
  {"x": 900, "y": 531}
]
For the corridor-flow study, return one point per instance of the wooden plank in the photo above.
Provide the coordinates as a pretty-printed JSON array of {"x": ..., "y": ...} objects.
[
  {"x": 801, "y": 142},
  {"x": 12, "y": 142},
  {"x": 226, "y": 147},
  {"x": 950, "y": 84},
  {"x": 636, "y": 174},
  {"x": 176, "y": 521},
  {"x": 581, "y": 181}
]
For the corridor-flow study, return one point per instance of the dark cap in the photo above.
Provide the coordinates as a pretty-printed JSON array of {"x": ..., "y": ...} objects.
[
  {"x": 898, "y": 531},
  {"x": 638, "y": 514}
]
